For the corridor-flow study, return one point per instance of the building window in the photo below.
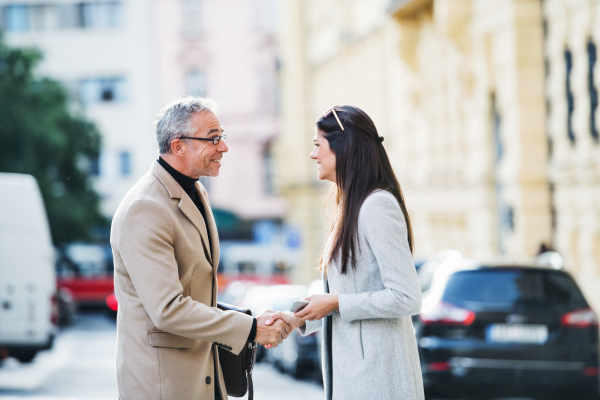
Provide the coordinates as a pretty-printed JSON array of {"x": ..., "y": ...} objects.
[
  {"x": 69, "y": 16},
  {"x": 266, "y": 90},
  {"x": 100, "y": 14},
  {"x": 125, "y": 163},
  {"x": 192, "y": 17},
  {"x": 114, "y": 164},
  {"x": 195, "y": 83},
  {"x": 38, "y": 17},
  {"x": 508, "y": 219},
  {"x": 102, "y": 90},
  {"x": 16, "y": 18},
  {"x": 269, "y": 171},
  {"x": 498, "y": 151},
  {"x": 591, "y": 50},
  {"x": 496, "y": 121},
  {"x": 90, "y": 15},
  {"x": 570, "y": 98}
]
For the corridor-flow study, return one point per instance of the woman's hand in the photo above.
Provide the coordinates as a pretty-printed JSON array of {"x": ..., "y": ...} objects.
[
  {"x": 320, "y": 306},
  {"x": 290, "y": 319}
]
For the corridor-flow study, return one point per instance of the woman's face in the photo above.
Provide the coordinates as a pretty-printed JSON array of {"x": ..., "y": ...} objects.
[{"x": 324, "y": 156}]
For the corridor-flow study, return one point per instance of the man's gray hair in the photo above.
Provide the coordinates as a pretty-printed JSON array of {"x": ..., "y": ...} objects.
[{"x": 173, "y": 121}]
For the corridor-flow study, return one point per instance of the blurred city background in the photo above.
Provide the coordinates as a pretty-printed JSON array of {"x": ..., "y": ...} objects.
[{"x": 489, "y": 109}]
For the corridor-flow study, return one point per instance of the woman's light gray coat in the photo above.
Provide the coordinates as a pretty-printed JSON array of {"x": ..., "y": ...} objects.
[{"x": 369, "y": 346}]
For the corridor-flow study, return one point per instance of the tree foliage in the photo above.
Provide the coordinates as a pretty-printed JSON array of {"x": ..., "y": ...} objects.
[{"x": 40, "y": 136}]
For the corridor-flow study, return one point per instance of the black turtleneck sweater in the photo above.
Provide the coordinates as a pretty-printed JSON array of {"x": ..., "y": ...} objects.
[{"x": 189, "y": 186}]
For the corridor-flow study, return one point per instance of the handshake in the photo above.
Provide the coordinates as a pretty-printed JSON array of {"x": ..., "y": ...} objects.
[{"x": 274, "y": 326}]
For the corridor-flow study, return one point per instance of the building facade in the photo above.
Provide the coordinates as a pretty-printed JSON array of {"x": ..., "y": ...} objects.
[
  {"x": 469, "y": 102},
  {"x": 226, "y": 50},
  {"x": 572, "y": 34},
  {"x": 124, "y": 60},
  {"x": 101, "y": 53}
]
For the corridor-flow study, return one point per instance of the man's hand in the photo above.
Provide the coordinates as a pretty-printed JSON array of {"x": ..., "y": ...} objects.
[
  {"x": 272, "y": 334},
  {"x": 289, "y": 318}
]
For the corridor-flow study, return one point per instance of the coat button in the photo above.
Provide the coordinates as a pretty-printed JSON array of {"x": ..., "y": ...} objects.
[{"x": 208, "y": 380}]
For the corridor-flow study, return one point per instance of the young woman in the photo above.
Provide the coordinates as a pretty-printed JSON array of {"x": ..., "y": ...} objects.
[{"x": 371, "y": 286}]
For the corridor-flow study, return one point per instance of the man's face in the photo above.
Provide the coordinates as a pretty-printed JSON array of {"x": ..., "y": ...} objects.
[{"x": 204, "y": 157}]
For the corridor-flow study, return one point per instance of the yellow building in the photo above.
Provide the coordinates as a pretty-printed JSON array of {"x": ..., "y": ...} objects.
[
  {"x": 573, "y": 119},
  {"x": 458, "y": 89}
]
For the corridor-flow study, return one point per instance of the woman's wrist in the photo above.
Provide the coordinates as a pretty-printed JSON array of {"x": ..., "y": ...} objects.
[{"x": 335, "y": 304}]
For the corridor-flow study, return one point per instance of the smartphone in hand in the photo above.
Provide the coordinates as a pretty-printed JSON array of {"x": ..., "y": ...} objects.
[{"x": 299, "y": 305}]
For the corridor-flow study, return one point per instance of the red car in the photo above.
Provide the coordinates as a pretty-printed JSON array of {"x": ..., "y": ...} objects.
[
  {"x": 86, "y": 272},
  {"x": 113, "y": 305}
]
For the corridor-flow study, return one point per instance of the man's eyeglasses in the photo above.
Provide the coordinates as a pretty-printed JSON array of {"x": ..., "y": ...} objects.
[
  {"x": 335, "y": 115},
  {"x": 215, "y": 139}
]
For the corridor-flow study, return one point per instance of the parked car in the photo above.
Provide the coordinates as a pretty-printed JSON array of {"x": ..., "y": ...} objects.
[
  {"x": 86, "y": 271},
  {"x": 507, "y": 330},
  {"x": 112, "y": 304},
  {"x": 66, "y": 307},
  {"x": 296, "y": 354},
  {"x": 316, "y": 287},
  {"x": 257, "y": 299},
  {"x": 276, "y": 298},
  {"x": 28, "y": 297},
  {"x": 426, "y": 269}
]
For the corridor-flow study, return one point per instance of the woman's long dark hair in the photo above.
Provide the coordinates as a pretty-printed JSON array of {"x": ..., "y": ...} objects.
[{"x": 362, "y": 166}]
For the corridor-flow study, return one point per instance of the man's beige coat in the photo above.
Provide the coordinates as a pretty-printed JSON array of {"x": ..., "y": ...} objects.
[{"x": 165, "y": 281}]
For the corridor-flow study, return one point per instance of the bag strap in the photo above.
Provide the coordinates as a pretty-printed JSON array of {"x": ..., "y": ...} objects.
[
  {"x": 250, "y": 387},
  {"x": 251, "y": 363}
]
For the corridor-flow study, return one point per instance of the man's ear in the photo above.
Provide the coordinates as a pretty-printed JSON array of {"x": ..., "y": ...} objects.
[{"x": 177, "y": 147}]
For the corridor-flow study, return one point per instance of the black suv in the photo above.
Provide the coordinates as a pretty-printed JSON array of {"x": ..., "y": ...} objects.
[{"x": 492, "y": 331}]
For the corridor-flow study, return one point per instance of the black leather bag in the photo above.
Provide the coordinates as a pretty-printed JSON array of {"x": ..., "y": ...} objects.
[{"x": 237, "y": 370}]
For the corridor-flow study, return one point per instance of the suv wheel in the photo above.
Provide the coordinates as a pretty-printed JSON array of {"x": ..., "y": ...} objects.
[{"x": 25, "y": 357}]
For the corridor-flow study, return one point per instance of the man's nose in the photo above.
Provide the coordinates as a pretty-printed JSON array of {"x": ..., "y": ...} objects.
[{"x": 223, "y": 147}]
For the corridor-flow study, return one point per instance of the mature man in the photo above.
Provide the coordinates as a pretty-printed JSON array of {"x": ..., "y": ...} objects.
[{"x": 166, "y": 252}]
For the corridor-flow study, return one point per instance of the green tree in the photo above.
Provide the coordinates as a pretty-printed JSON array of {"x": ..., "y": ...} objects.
[{"x": 40, "y": 136}]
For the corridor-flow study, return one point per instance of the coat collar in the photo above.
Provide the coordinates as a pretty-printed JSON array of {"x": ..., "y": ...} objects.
[
  {"x": 212, "y": 225},
  {"x": 189, "y": 209}
]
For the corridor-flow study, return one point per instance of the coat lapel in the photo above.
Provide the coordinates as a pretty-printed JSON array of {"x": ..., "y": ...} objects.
[
  {"x": 212, "y": 226},
  {"x": 214, "y": 238},
  {"x": 186, "y": 205}
]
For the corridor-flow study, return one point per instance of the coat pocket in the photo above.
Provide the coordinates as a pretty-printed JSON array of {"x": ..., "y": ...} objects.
[
  {"x": 360, "y": 336},
  {"x": 166, "y": 339}
]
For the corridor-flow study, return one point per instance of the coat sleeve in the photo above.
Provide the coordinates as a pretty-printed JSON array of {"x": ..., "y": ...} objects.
[
  {"x": 382, "y": 223},
  {"x": 146, "y": 247},
  {"x": 311, "y": 327}
]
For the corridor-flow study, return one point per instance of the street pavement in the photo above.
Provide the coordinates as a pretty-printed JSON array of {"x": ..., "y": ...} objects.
[{"x": 81, "y": 366}]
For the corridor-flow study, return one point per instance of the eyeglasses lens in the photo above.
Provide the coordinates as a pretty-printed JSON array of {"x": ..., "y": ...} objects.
[{"x": 217, "y": 139}]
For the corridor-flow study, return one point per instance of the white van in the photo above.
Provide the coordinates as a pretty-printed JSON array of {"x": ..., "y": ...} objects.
[{"x": 28, "y": 312}]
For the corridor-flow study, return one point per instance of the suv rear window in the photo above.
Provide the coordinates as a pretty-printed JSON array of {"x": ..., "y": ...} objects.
[{"x": 512, "y": 285}]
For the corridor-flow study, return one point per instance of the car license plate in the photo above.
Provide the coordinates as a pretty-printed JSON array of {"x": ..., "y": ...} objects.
[{"x": 516, "y": 333}]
